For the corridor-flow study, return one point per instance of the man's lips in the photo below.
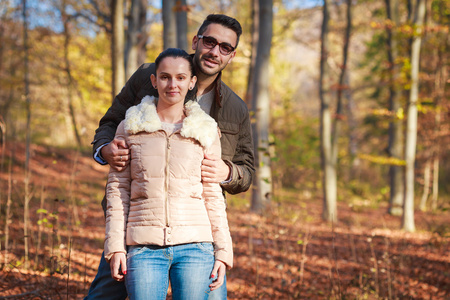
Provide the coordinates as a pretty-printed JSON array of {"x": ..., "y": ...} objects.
[{"x": 210, "y": 61}]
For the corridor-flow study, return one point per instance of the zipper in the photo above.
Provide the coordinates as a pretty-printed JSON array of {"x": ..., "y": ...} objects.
[{"x": 167, "y": 180}]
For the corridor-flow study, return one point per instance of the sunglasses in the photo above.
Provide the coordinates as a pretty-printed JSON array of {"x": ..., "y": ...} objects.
[{"x": 210, "y": 42}]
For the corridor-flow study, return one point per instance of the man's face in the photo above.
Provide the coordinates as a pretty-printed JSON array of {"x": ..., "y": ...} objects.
[{"x": 211, "y": 61}]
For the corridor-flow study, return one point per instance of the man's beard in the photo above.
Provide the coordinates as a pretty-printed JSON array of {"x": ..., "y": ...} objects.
[{"x": 206, "y": 71}]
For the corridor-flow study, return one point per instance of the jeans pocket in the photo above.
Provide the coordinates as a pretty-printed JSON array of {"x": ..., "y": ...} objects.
[
  {"x": 134, "y": 250},
  {"x": 206, "y": 248}
]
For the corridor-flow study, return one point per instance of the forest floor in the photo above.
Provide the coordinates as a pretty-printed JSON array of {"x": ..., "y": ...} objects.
[{"x": 288, "y": 253}]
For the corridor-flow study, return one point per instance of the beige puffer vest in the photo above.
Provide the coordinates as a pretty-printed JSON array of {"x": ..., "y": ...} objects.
[{"x": 159, "y": 199}]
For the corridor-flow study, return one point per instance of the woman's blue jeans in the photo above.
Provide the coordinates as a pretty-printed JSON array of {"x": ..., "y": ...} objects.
[
  {"x": 188, "y": 267},
  {"x": 104, "y": 287}
]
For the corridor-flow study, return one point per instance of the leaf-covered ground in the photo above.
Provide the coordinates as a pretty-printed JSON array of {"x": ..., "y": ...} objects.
[{"x": 287, "y": 254}]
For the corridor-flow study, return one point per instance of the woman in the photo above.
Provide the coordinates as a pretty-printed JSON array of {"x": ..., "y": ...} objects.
[{"x": 160, "y": 215}]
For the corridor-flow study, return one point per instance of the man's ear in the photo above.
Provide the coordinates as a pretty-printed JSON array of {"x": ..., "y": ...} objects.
[
  {"x": 194, "y": 42},
  {"x": 232, "y": 55},
  {"x": 153, "y": 79}
]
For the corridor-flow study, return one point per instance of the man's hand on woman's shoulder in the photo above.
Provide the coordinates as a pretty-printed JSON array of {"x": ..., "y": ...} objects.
[{"x": 116, "y": 154}]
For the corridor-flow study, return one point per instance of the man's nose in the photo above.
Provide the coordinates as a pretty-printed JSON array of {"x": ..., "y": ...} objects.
[{"x": 215, "y": 50}]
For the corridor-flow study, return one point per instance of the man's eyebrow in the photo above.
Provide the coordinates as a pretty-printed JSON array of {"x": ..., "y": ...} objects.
[{"x": 223, "y": 42}]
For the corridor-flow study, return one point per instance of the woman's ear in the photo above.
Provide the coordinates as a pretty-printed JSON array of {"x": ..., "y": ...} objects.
[
  {"x": 193, "y": 82},
  {"x": 153, "y": 79}
]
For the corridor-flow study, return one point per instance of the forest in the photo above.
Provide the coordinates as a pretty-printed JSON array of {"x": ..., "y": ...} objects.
[{"x": 349, "y": 105}]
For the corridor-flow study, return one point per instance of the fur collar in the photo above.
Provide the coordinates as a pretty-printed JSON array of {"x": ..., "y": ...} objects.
[{"x": 197, "y": 124}]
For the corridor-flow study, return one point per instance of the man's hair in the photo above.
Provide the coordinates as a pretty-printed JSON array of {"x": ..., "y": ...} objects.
[
  {"x": 223, "y": 20},
  {"x": 175, "y": 52}
]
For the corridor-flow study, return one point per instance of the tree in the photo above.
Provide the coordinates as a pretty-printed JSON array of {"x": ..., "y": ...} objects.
[
  {"x": 254, "y": 42},
  {"x": 67, "y": 69},
  {"x": 411, "y": 125},
  {"x": 441, "y": 79},
  {"x": 432, "y": 132},
  {"x": 328, "y": 166},
  {"x": 136, "y": 37},
  {"x": 11, "y": 78},
  {"x": 395, "y": 148},
  {"x": 181, "y": 20},
  {"x": 117, "y": 46},
  {"x": 262, "y": 184},
  {"x": 170, "y": 26},
  {"x": 343, "y": 86},
  {"x": 28, "y": 130}
]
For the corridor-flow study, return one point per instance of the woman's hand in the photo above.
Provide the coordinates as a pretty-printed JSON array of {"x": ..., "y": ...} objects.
[
  {"x": 118, "y": 262},
  {"x": 218, "y": 272}
]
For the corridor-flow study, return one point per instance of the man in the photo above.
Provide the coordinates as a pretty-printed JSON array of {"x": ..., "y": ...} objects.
[{"x": 215, "y": 47}]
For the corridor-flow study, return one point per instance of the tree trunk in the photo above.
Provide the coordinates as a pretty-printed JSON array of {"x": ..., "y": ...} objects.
[
  {"x": 118, "y": 37},
  {"x": 411, "y": 125},
  {"x": 352, "y": 127},
  {"x": 329, "y": 169},
  {"x": 182, "y": 27},
  {"x": 2, "y": 44},
  {"x": 262, "y": 184},
  {"x": 441, "y": 76},
  {"x": 170, "y": 26},
  {"x": 396, "y": 172},
  {"x": 136, "y": 34},
  {"x": 426, "y": 185},
  {"x": 8, "y": 206},
  {"x": 6, "y": 103},
  {"x": 254, "y": 42},
  {"x": 67, "y": 69},
  {"x": 28, "y": 132},
  {"x": 40, "y": 225},
  {"x": 143, "y": 37},
  {"x": 342, "y": 86},
  {"x": 434, "y": 198},
  {"x": 131, "y": 44},
  {"x": 2, "y": 159},
  {"x": 350, "y": 105}
]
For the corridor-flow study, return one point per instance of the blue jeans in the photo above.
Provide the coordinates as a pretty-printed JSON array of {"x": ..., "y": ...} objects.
[
  {"x": 106, "y": 288},
  {"x": 188, "y": 267}
]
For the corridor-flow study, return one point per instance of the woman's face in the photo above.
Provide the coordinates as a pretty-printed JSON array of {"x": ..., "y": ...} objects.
[{"x": 173, "y": 80}]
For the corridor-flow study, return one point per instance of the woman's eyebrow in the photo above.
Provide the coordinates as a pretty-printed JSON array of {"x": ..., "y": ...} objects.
[{"x": 166, "y": 73}]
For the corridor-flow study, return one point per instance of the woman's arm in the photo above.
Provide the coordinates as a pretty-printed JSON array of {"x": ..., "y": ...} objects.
[
  {"x": 215, "y": 206},
  {"x": 118, "y": 265},
  {"x": 218, "y": 274},
  {"x": 118, "y": 201}
]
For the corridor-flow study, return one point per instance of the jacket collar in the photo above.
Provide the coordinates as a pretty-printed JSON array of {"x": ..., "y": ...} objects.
[
  {"x": 218, "y": 89},
  {"x": 197, "y": 124}
]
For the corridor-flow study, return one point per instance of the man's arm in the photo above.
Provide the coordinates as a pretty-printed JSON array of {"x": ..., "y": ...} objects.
[
  {"x": 128, "y": 96},
  {"x": 242, "y": 167},
  {"x": 235, "y": 174}
]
